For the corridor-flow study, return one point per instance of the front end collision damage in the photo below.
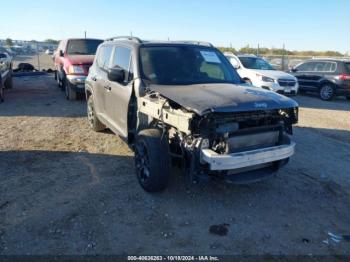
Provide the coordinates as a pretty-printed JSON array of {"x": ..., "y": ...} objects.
[{"x": 235, "y": 146}]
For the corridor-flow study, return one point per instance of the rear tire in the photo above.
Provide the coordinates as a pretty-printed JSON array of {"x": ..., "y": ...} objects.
[
  {"x": 152, "y": 160},
  {"x": 70, "y": 93},
  {"x": 60, "y": 83},
  {"x": 9, "y": 82},
  {"x": 94, "y": 122},
  {"x": 326, "y": 92}
]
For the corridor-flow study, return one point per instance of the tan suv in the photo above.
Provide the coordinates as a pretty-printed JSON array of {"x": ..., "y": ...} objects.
[{"x": 183, "y": 102}]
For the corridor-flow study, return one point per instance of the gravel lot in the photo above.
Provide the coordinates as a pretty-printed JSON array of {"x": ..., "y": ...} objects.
[{"x": 67, "y": 190}]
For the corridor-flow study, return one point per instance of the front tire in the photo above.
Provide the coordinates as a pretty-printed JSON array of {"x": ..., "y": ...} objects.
[
  {"x": 9, "y": 81},
  {"x": 94, "y": 122},
  {"x": 152, "y": 160},
  {"x": 70, "y": 93},
  {"x": 327, "y": 92}
]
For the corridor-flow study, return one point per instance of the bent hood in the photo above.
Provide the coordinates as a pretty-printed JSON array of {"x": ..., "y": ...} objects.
[{"x": 206, "y": 98}]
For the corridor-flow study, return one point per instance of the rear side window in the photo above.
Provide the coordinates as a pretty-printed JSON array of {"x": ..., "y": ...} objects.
[
  {"x": 306, "y": 67},
  {"x": 347, "y": 67},
  {"x": 325, "y": 67},
  {"x": 122, "y": 59},
  {"x": 104, "y": 55}
]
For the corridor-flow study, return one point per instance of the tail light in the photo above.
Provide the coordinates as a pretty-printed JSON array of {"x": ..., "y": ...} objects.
[{"x": 344, "y": 77}]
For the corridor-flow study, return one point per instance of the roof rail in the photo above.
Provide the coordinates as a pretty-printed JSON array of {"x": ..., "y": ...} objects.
[
  {"x": 131, "y": 38},
  {"x": 194, "y": 42}
]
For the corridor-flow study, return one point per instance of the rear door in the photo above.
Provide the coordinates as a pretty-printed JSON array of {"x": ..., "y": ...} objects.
[
  {"x": 305, "y": 75},
  {"x": 328, "y": 70},
  {"x": 118, "y": 94}
]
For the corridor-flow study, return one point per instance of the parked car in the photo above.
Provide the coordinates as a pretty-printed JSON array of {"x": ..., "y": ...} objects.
[
  {"x": 258, "y": 72},
  {"x": 327, "y": 77},
  {"x": 182, "y": 102},
  {"x": 49, "y": 52},
  {"x": 73, "y": 59},
  {"x": 5, "y": 73}
]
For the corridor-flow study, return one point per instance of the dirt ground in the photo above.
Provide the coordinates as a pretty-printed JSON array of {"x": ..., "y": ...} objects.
[{"x": 67, "y": 190}]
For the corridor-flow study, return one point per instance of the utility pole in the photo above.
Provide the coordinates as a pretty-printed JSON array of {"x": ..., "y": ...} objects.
[
  {"x": 85, "y": 33},
  {"x": 283, "y": 53},
  {"x": 37, "y": 52},
  {"x": 257, "y": 51}
]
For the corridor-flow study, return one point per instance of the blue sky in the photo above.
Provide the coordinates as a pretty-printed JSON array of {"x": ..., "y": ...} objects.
[{"x": 301, "y": 25}]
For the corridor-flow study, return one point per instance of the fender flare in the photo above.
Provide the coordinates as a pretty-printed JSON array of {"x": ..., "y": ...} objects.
[{"x": 325, "y": 81}]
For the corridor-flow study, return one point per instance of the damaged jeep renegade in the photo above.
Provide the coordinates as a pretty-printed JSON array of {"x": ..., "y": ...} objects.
[{"x": 182, "y": 103}]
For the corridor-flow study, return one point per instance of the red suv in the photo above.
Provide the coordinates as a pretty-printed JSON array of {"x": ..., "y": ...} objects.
[{"x": 73, "y": 59}]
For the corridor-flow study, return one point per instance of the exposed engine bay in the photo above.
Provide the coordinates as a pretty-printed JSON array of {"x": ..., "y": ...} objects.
[{"x": 192, "y": 136}]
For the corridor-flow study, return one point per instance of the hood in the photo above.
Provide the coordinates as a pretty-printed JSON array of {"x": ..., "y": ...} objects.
[
  {"x": 206, "y": 98},
  {"x": 275, "y": 74},
  {"x": 81, "y": 59}
]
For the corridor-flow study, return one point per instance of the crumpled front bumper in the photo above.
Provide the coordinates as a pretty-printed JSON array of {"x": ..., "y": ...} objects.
[{"x": 239, "y": 160}]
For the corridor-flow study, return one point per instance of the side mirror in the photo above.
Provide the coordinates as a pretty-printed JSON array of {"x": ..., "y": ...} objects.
[
  {"x": 293, "y": 70},
  {"x": 116, "y": 74},
  {"x": 236, "y": 66},
  {"x": 61, "y": 53}
]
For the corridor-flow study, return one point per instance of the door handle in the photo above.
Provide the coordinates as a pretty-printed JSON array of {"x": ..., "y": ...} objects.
[
  {"x": 108, "y": 88},
  {"x": 94, "y": 78}
]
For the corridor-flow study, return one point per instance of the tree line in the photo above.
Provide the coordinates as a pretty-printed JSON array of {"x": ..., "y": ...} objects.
[
  {"x": 244, "y": 50},
  {"x": 278, "y": 51},
  {"x": 9, "y": 42}
]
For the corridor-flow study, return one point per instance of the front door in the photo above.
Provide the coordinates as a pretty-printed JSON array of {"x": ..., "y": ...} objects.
[
  {"x": 118, "y": 94},
  {"x": 305, "y": 75}
]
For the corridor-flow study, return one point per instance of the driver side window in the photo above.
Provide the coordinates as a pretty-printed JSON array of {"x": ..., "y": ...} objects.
[{"x": 122, "y": 58}]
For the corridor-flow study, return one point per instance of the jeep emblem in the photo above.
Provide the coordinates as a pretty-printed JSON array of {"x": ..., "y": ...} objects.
[{"x": 260, "y": 105}]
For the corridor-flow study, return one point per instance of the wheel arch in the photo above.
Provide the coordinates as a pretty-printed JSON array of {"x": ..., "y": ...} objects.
[{"x": 324, "y": 82}]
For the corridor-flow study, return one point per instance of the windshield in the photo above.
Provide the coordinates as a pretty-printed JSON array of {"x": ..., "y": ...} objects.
[
  {"x": 185, "y": 65},
  {"x": 83, "y": 47},
  {"x": 255, "y": 63}
]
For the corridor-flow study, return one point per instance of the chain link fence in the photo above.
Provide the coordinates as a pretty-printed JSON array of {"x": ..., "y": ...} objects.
[
  {"x": 38, "y": 54},
  {"x": 286, "y": 62}
]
